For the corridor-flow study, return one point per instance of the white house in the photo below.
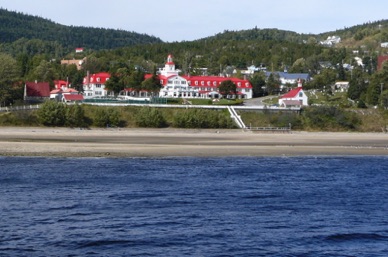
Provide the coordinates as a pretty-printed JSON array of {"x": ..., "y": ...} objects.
[
  {"x": 294, "y": 98},
  {"x": 94, "y": 85},
  {"x": 341, "y": 86}
]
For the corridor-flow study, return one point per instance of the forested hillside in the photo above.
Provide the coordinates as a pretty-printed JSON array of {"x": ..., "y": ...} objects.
[
  {"x": 31, "y": 49},
  {"x": 14, "y": 26}
]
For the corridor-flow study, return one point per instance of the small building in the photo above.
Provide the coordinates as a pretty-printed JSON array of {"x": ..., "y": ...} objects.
[
  {"x": 66, "y": 95},
  {"x": 72, "y": 98},
  {"x": 384, "y": 45},
  {"x": 341, "y": 86},
  {"x": 294, "y": 98},
  {"x": 289, "y": 78},
  {"x": 77, "y": 63},
  {"x": 36, "y": 91}
]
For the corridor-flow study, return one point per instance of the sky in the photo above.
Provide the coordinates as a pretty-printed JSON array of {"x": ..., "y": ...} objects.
[{"x": 180, "y": 20}]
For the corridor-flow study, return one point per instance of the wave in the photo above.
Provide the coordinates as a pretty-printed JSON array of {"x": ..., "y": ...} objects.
[{"x": 356, "y": 237}]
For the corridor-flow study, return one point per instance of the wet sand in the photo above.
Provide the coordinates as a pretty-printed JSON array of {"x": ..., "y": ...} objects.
[{"x": 65, "y": 142}]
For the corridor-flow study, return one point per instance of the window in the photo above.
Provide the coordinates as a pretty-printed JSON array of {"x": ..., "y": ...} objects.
[
  {"x": 202, "y": 83},
  {"x": 183, "y": 82},
  {"x": 98, "y": 85},
  {"x": 209, "y": 83},
  {"x": 215, "y": 83},
  {"x": 98, "y": 93},
  {"x": 176, "y": 82},
  {"x": 300, "y": 94},
  {"x": 196, "y": 83},
  {"x": 170, "y": 81}
]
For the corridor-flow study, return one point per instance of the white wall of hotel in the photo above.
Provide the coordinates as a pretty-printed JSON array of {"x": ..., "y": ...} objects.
[{"x": 178, "y": 87}]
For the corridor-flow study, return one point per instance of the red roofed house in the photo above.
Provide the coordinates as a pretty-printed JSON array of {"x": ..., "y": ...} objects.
[
  {"x": 36, "y": 91},
  {"x": 196, "y": 86},
  {"x": 294, "y": 98},
  {"x": 64, "y": 93},
  {"x": 380, "y": 61},
  {"x": 94, "y": 85}
]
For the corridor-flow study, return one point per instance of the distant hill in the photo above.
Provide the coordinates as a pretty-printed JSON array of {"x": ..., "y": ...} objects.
[
  {"x": 354, "y": 36},
  {"x": 260, "y": 35},
  {"x": 15, "y": 25}
]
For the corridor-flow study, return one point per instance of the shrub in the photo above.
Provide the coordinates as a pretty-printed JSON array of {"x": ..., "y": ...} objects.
[
  {"x": 75, "y": 116},
  {"x": 52, "y": 114},
  {"x": 150, "y": 118},
  {"x": 106, "y": 117},
  {"x": 199, "y": 118},
  {"x": 329, "y": 117}
]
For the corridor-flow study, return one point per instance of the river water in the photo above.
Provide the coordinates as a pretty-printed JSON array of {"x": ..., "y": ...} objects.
[{"x": 270, "y": 206}]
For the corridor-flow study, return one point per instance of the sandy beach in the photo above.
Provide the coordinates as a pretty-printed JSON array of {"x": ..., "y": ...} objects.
[{"x": 66, "y": 142}]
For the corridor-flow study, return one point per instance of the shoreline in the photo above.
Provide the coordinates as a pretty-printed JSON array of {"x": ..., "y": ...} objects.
[{"x": 66, "y": 142}]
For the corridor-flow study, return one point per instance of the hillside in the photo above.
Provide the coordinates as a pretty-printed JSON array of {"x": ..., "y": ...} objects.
[
  {"x": 14, "y": 26},
  {"x": 370, "y": 34},
  {"x": 260, "y": 35}
]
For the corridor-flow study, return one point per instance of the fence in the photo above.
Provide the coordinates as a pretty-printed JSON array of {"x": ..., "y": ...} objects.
[
  {"x": 19, "y": 108},
  {"x": 270, "y": 129}
]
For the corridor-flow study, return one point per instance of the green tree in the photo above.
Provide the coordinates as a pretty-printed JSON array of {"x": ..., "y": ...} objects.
[
  {"x": 357, "y": 85},
  {"x": 151, "y": 84},
  {"x": 135, "y": 79},
  {"x": 384, "y": 99},
  {"x": 227, "y": 87},
  {"x": 45, "y": 71},
  {"x": 258, "y": 84},
  {"x": 273, "y": 83},
  {"x": 114, "y": 84},
  {"x": 9, "y": 74}
]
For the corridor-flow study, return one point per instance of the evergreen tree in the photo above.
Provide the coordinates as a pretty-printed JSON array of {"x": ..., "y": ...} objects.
[
  {"x": 258, "y": 84},
  {"x": 357, "y": 85}
]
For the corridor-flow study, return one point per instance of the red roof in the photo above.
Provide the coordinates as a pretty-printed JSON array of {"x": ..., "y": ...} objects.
[
  {"x": 380, "y": 61},
  {"x": 40, "y": 89},
  {"x": 73, "y": 97},
  {"x": 293, "y": 93},
  {"x": 98, "y": 78},
  {"x": 60, "y": 83},
  {"x": 206, "y": 81},
  {"x": 169, "y": 60},
  {"x": 56, "y": 91}
]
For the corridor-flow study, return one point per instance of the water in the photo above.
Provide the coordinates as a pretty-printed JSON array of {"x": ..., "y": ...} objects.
[{"x": 299, "y": 206}]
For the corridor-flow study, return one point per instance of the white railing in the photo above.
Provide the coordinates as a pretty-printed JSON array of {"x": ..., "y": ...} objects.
[{"x": 236, "y": 117}]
